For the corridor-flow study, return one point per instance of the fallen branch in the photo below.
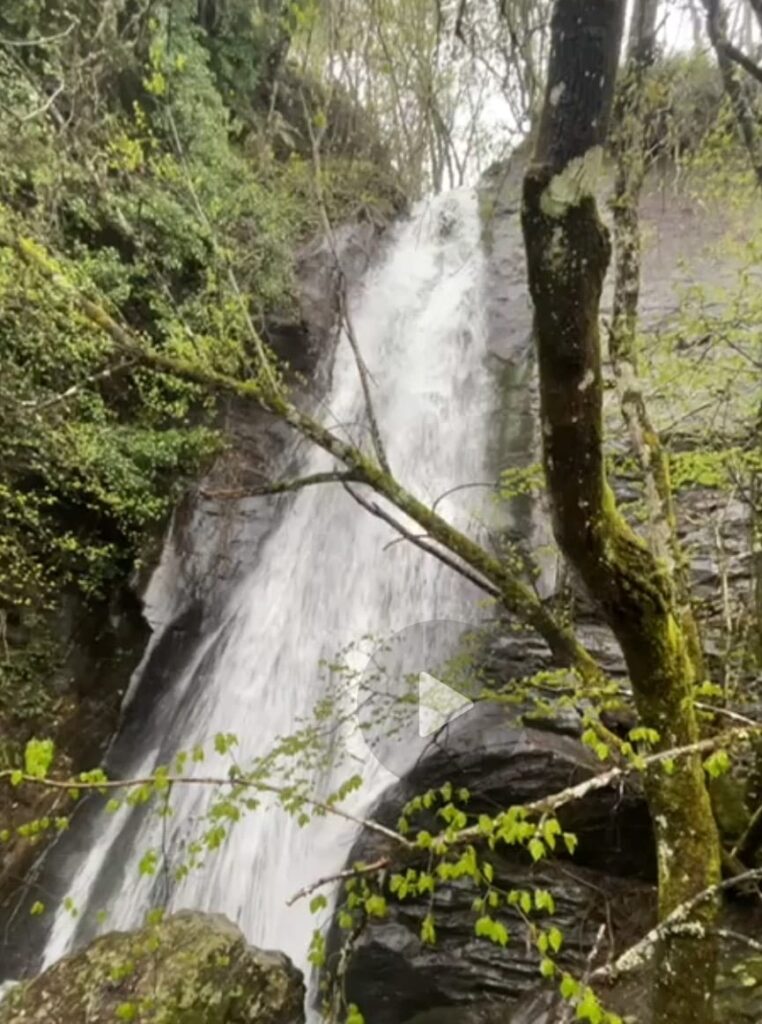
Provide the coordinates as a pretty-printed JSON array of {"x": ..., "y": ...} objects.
[
  {"x": 344, "y": 316},
  {"x": 493, "y": 574}
]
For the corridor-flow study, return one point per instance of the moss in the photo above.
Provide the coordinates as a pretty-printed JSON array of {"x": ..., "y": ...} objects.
[{"x": 190, "y": 969}]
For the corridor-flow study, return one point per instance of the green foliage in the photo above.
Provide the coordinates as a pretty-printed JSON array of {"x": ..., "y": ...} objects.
[{"x": 153, "y": 181}]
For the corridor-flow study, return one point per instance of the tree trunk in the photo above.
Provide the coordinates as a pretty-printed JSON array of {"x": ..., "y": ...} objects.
[
  {"x": 629, "y": 144},
  {"x": 716, "y": 25},
  {"x": 568, "y": 252}
]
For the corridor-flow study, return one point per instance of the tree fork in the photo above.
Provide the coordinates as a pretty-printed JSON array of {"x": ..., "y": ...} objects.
[{"x": 568, "y": 253}]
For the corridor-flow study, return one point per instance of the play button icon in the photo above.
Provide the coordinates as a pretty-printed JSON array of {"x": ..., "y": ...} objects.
[
  {"x": 438, "y": 705},
  {"x": 416, "y": 684}
]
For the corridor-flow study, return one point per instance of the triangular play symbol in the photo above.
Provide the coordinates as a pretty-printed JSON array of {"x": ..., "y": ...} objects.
[{"x": 438, "y": 704}]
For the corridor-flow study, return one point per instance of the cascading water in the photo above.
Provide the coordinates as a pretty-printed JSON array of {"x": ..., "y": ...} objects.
[{"x": 327, "y": 576}]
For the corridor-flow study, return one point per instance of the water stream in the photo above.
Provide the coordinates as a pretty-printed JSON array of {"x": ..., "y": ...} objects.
[{"x": 327, "y": 575}]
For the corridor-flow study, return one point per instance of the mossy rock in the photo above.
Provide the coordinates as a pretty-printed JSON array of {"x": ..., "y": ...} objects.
[{"x": 192, "y": 968}]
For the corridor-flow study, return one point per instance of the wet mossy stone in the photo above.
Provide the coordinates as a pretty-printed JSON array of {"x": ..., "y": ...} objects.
[{"x": 192, "y": 968}]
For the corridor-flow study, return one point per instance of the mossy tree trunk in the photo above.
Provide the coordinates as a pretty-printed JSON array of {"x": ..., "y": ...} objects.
[
  {"x": 568, "y": 253},
  {"x": 632, "y": 109}
]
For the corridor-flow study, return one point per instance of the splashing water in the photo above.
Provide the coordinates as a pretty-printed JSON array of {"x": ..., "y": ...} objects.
[{"x": 326, "y": 576}]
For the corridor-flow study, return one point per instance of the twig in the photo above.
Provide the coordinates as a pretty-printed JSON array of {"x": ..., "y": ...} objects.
[
  {"x": 46, "y": 105},
  {"x": 727, "y": 713},
  {"x": 361, "y": 869},
  {"x": 41, "y": 40},
  {"x": 284, "y": 486},
  {"x": 259, "y": 345},
  {"x": 549, "y": 804},
  {"x": 344, "y": 316},
  {"x": 107, "y": 785},
  {"x": 461, "y": 487},
  {"x": 70, "y": 392},
  {"x": 420, "y": 542},
  {"x": 570, "y": 1009},
  {"x": 751, "y": 840},
  {"x": 740, "y": 58}
]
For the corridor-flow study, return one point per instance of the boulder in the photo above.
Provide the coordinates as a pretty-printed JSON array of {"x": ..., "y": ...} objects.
[
  {"x": 395, "y": 978},
  {"x": 191, "y": 968}
]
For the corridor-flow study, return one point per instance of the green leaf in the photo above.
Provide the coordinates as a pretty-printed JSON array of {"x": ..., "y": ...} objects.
[
  {"x": 589, "y": 1008},
  {"x": 376, "y": 906},
  {"x": 428, "y": 931},
  {"x": 547, "y": 967},
  {"x": 543, "y": 900},
  {"x": 717, "y": 764},
  {"x": 569, "y": 987},
  {"x": 38, "y": 757},
  {"x": 353, "y": 1015},
  {"x": 317, "y": 903},
  {"x": 488, "y": 928},
  {"x": 536, "y": 849},
  {"x": 148, "y": 863},
  {"x": 570, "y": 842}
]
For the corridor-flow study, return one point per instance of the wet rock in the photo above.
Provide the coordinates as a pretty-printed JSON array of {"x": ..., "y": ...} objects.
[
  {"x": 503, "y": 762},
  {"x": 191, "y": 968},
  {"x": 394, "y": 977}
]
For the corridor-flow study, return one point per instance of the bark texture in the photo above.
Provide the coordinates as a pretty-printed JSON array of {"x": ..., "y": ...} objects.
[
  {"x": 568, "y": 252},
  {"x": 629, "y": 145}
]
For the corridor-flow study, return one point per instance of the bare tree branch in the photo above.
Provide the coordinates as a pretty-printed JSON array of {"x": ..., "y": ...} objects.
[
  {"x": 716, "y": 24},
  {"x": 42, "y": 40},
  {"x": 75, "y": 389},
  {"x": 421, "y": 542},
  {"x": 345, "y": 318},
  {"x": 360, "y": 869},
  {"x": 285, "y": 486},
  {"x": 637, "y": 955}
]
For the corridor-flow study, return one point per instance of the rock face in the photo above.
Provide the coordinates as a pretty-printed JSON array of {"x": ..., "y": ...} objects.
[{"x": 191, "y": 969}]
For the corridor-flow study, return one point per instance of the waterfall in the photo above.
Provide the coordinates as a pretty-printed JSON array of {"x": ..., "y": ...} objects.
[{"x": 327, "y": 575}]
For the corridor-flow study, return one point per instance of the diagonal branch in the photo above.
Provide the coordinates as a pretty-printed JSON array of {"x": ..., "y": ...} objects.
[
  {"x": 422, "y": 543},
  {"x": 637, "y": 955},
  {"x": 64, "y": 396},
  {"x": 740, "y": 58},
  {"x": 515, "y": 596}
]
